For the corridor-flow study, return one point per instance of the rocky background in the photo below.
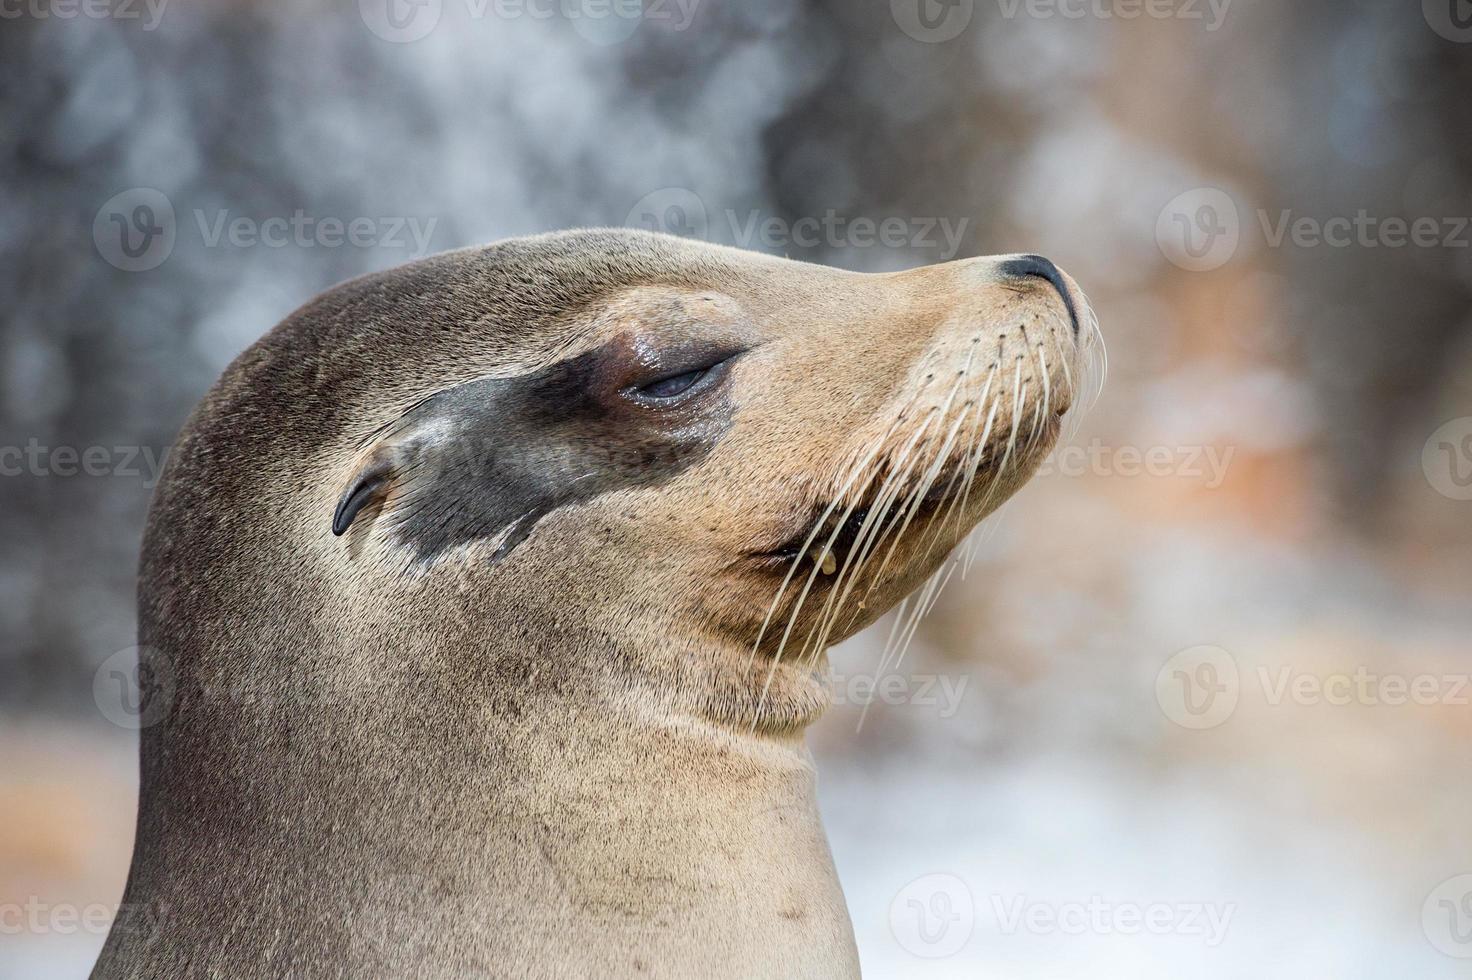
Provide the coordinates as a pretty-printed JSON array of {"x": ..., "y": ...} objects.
[{"x": 1200, "y": 704}]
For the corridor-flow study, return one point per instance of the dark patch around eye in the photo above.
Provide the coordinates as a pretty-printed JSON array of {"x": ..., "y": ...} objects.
[{"x": 500, "y": 454}]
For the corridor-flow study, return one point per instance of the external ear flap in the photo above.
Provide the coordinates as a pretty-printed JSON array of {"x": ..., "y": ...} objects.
[{"x": 368, "y": 486}]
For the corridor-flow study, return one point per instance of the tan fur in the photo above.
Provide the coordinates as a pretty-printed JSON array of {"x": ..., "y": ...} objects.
[{"x": 572, "y": 762}]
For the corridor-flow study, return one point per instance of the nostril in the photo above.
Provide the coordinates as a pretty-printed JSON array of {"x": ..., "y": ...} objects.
[
  {"x": 1033, "y": 265},
  {"x": 1039, "y": 267}
]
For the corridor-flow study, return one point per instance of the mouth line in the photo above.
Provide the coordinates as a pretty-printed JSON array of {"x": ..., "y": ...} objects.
[
  {"x": 831, "y": 532},
  {"x": 831, "y": 550}
]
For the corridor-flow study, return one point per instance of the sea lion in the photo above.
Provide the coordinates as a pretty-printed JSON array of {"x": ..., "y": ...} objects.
[{"x": 493, "y": 594}]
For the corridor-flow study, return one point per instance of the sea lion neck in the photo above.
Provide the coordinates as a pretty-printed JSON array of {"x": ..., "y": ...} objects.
[
  {"x": 288, "y": 723},
  {"x": 414, "y": 809}
]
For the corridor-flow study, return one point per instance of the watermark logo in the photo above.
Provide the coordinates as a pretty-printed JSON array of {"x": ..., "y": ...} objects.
[
  {"x": 400, "y": 21},
  {"x": 1452, "y": 19},
  {"x": 1200, "y": 229},
  {"x": 1446, "y": 459},
  {"x": 932, "y": 21},
  {"x": 933, "y": 916},
  {"x": 134, "y": 231},
  {"x": 672, "y": 210},
  {"x": 1446, "y": 917},
  {"x": 607, "y": 22},
  {"x": 1213, "y": 13},
  {"x": 134, "y": 688},
  {"x": 1199, "y": 687}
]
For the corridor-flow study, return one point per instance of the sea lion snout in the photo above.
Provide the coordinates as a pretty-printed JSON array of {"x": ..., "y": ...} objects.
[{"x": 942, "y": 412}]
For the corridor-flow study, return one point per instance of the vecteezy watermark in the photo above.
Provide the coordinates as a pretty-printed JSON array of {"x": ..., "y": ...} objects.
[
  {"x": 134, "y": 688},
  {"x": 1202, "y": 229},
  {"x": 149, "y": 11},
  {"x": 1213, "y": 13},
  {"x": 672, "y": 210},
  {"x": 1207, "y": 921},
  {"x": 1446, "y": 459},
  {"x": 1452, "y": 19},
  {"x": 932, "y": 21},
  {"x": 600, "y": 21},
  {"x": 680, "y": 211},
  {"x": 1363, "y": 230},
  {"x": 928, "y": 691},
  {"x": 35, "y": 917},
  {"x": 303, "y": 230},
  {"x": 839, "y": 231},
  {"x": 136, "y": 230},
  {"x": 1205, "y": 463},
  {"x": 1201, "y": 687},
  {"x": 1446, "y": 917},
  {"x": 36, "y": 459},
  {"x": 1362, "y": 686},
  {"x": 933, "y": 916},
  {"x": 1198, "y": 687}
]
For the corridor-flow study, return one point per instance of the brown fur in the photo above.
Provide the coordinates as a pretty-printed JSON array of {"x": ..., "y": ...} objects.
[{"x": 568, "y": 762}]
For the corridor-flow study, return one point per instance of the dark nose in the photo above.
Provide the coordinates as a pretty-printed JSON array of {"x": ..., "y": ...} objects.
[{"x": 1041, "y": 268}]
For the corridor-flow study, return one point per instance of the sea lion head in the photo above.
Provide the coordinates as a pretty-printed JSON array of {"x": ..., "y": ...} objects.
[{"x": 684, "y": 468}]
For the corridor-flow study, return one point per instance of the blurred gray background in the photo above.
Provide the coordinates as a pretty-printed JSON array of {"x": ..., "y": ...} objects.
[{"x": 1268, "y": 204}]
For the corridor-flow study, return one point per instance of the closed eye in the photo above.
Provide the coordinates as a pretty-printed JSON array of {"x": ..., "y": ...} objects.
[{"x": 674, "y": 385}]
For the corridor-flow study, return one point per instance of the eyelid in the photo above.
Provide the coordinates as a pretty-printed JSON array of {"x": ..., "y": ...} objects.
[
  {"x": 699, "y": 358},
  {"x": 694, "y": 376},
  {"x": 678, "y": 373},
  {"x": 708, "y": 375}
]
